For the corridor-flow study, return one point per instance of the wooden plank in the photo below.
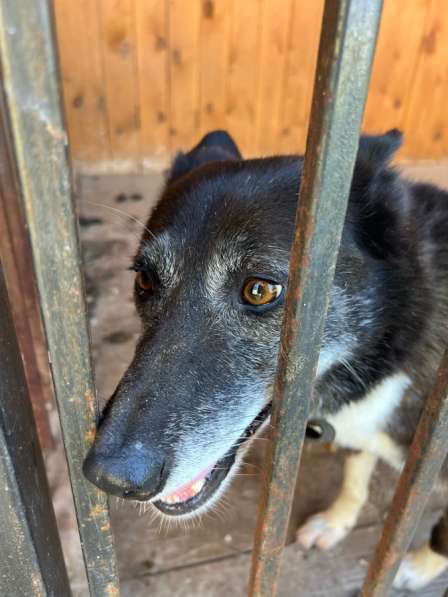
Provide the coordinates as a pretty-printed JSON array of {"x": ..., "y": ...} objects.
[
  {"x": 118, "y": 42},
  {"x": 302, "y": 48},
  {"x": 242, "y": 75},
  {"x": 399, "y": 43},
  {"x": 152, "y": 61},
  {"x": 247, "y": 66},
  {"x": 426, "y": 125},
  {"x": 68, "y": 30},
  {"x": 214, "y": 50},
  {"x": 184, "y": 72},
  {"x": 275, "y": 31},
  {"x": 95, "y": 115},
  {"x": 338, "y": 572},
  {"x": 82, "y": 78}
]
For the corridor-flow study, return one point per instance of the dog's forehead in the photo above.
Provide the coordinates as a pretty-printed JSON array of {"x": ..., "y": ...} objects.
[
  {"x": 210, "y": 251},
  {"x": 221, "y": 222},
  {"x": 226, "y": 208},
  {"x": 211, "y": 263}
]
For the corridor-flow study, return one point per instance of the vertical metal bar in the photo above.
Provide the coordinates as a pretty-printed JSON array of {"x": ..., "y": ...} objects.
[
  {"x": 16, "y": 255},
  {"x": 31, "y": 561},
  {"x": 348, "y": 39},
  {"x": 427, "y": 453},
  {"x": 30, "y": 78}
]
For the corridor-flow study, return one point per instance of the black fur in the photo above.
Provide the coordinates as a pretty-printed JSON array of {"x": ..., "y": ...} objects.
[
  {"x": 439, "y": 536},
  {"x": 216, "y": 146},
  {"x": 205, "y": 362}
]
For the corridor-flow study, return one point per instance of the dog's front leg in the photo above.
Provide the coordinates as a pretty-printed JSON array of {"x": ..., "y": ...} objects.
[
  {"x": 327, "y": 528},
  {"x": 419, "y": 567}
]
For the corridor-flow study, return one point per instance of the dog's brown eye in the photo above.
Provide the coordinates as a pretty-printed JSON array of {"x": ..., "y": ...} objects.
[
  {"x": 144, "y": 282},
  {"x": 260, "y": 292}
]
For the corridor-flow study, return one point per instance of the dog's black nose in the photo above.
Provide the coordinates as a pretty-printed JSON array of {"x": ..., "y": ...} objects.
[{"x": 133, "y": 472}]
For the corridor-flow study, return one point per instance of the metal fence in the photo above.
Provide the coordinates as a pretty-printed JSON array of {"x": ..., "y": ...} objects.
[{"x": 31, "y": 558}]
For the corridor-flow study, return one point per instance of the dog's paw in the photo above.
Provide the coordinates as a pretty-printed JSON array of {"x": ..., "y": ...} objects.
[
  {"x": 323, "y": 531},
  {"x": 419, "y": 568}
]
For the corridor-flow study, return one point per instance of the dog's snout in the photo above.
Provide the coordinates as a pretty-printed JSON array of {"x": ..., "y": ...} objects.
[{"x": 133, "y": 472}]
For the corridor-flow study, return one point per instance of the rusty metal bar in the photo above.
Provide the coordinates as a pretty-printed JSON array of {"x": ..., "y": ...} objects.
[
  {"x": 31, "y": 560},
  {"x": 427, "y": 453},
  {"x": 348, "y": 38},
  {"x": 30, "y": 79},
  {"x": 15, "y": 253}
]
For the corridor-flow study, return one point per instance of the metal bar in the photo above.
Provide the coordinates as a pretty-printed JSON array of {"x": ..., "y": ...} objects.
[
  {"x": 30, "y": 78},
  {"x": 15, "y": 252},
  {"x": 348, "y": 38},
  {"x": 31, "y": 560},
  {"x": 427, "y": 453}
]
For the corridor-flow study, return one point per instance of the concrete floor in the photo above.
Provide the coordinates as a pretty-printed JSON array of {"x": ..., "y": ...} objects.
[{"x": 210, "y": 560}]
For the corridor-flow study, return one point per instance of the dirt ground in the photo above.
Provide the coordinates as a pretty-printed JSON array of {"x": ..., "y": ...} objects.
[{"x": 212, "y": 559}]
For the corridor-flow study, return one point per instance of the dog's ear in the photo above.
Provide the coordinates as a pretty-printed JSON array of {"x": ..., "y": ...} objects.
[
  {"x": 215, "y": 146},
  {"x": 378, "y": 206},
  {"x": 376, "y": 151}
]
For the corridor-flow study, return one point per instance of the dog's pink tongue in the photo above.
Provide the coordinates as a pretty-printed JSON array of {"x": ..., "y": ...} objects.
[{"x": 189, "y": 490}]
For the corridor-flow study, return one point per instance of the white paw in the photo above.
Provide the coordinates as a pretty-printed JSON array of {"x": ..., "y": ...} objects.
[
  {"x": 419, "y": 568},
  {"x": 321, "y": 531},
  {"x": 409, "y": 576}
]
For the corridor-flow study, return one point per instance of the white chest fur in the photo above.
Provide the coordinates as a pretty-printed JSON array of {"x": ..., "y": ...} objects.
[{"x": 359, "y": 425}]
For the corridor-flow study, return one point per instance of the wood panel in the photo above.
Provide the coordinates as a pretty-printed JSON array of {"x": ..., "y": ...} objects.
[
  {"x": 395, "y": 63},
  {"x": 306, "y": 18},
  {"x": 242, "y": 74},
  {"x": 117, "y": 30},
  {"x": 145, "y": 78},
  {"x": 152, "y": 56},
  {"x": 82, "y": 78},
  {"x": 214, "y": 57},
  {"x": 184, "y": 72},
  {"x": 427, "y": 116},
  {"x": 275, "y": 27}
]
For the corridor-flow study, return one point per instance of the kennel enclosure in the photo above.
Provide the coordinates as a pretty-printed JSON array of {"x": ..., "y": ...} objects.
[{"x": 33, "y": 133}]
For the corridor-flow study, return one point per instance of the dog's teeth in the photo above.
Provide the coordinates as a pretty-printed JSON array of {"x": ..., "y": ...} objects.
[
  {"x": 196, "y": 487},
  {"x": 193, "y": 490}
]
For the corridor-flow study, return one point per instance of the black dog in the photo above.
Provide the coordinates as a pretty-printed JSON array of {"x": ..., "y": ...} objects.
[{"x": 211, "y": 273}]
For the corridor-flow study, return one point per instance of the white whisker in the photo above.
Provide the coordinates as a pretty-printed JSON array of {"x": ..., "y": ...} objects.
[{"x": 122, "y": 214}]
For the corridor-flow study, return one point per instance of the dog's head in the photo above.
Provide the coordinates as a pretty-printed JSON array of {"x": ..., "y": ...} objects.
[{"x": 211, "y": 273}]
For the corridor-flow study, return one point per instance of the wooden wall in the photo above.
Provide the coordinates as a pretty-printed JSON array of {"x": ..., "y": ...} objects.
[{"x": 142, "y": 78}]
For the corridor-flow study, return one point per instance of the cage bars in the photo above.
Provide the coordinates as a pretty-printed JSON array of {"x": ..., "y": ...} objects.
[
  {"x": 428, "y": 450},
  {"x": 347, "y": 43},
  {"x": 31, "y": 561},
  {"x": 30, "y": 80}
]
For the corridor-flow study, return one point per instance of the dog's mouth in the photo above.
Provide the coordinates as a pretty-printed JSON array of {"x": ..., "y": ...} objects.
[
  {"x": 191, "y": 496},
  {"x": 203, "y": 487}
]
